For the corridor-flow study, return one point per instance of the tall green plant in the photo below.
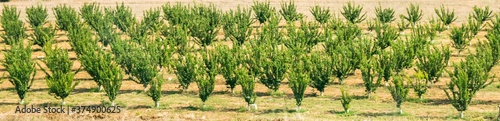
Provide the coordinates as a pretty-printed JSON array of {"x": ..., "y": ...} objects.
[
  {"x": 385, "y": 35},
  {"x": 321, "y": 14},
  {"x": 419, "y": 84},
  {"x": 414, "y": 14},
  {"x": 385, "y": 65},
  {"x": 384, "y": 15},
  {"x": 92, "y": 14},
  {"x": 237, "y": 25},
  {"x": 145, "y": 63},
  {"x": 403, "y": 57},
  {"x": 274, "y": 69},
  {"x": 460, "y": 37},
  {"x": 229, "y": 61},
  {"x": 111, "y": 75},
  {"x": 21, "y": 69},
  {"x": 245, "y": 79},
  {"x": 445, "y": 15},
  {"x": 482, "y": 14},
  {"x": 186, "y": 70},
  {"x": 206, "y": 77},
  {"x": 43, "y": 35},
  {"x": 352, "y": 13},
  {"x": 319, "y": 69},
  {"x": 298, "y": 81},
  {"x": 155, "y": 90},
  {"x": 15, "y": 31},
  {"x": 66, "y": 17},
  {"x": 399, "y": 92},
  {"x": 289, "y": 11},
  {"x": 204, "y": 24},
  {"x": 263, "y": 11},
  {"x": 370, "y": 81},
  {"x": 123, "y": 18},
  {"x": 345, "y": 99},
  {"x": 37, "y": 16},
  {"x": 432, "y": 61},
  {"x": 342, "y": 63}
]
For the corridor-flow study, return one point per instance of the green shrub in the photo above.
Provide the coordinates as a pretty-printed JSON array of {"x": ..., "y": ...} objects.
[
  {"x": 43, "y": 35},
  {"x": 347, "y": 33},
  {"x": 237, "y": 25},
  {"x": 298, "y": 82},
  {"x": 21, "y": 69},
  {"x": 177, "y": 38},
  {"x": 61, "y": 80},
  {"x": 123, "y": 18},
  {"x": 482, "y": 15},
  {"x": 247, "y": 86},
  {"x": 474, "y": 27},
  {"x": 385, "y": 35},
  {"x": 432, "y": 61},
  {"x": 384, "y": 15},
  {"x": 204, "y": 24},
  {"x": 37, "y": 16},
  {"x": 399, "y": 92},
  {"x": 345, "y": 99},
  {"x": 15, "y": 31},
  {"x": 92, "y": 14},
  {"x": 437, "y": 25},
  {"x": 205, "y": 78},
  {"x": 289, "y": 12},
  {"x": 368, "y": 69},
  {"x": 419, "y": 84},
  {"x": 304, "y": 38},
  {"x": 152, "y": 20},
  {"x": 321, "y": 14},
  {"x": 319, "y": 69},
  {"x": 104, "y": 28},
  {"x": 110, "y": 74},
  {"x": 66, "y": 17},
  {"x": 155, "y": 90},
  {"x": 145, "y": 63},
  {"x": 460, "y": 37},
  {"x": 229, "y": 61},
  {"x": 414, "y": 14},
  {"x": 403, "y": 57},
  {"x": 402, "y": 25},
  {"x": 274, "y": 68},
  {"x": 445, "y": 15},
  {"x": 263, "y": 11},
  {"x": 352, "y": 13},
  {"x": 385, "y": 65},
  {"x": 342, "y": 63},
  {"x": 186, "y": 70}
]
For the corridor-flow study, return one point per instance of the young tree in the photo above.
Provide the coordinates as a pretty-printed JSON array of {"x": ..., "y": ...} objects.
[
  {"x": 37, "y": 15},
  {"x": 403, "y": 57},
  {"x": 384, "y": 15},
  {"x": 345, "y": 99},
  {"x": 21, "y": 68},
  {"x": 176, "y": 14},
  {"x": 341, "y": 62},
  {"x": 385, "y": 65},
  {"x": 237, "y": 25},
  {"x": 229, "y": 61},
  {"x": 15, "y": 31},
  {"x": 298, "y": 81},
  {"x": 289, "y": 12},
  {"x": 274, "y": 69},
  {"x": 123, "y": 18},
  {"x": 66, "y": 17},
  {"x": 399, "y": 92},
  {"x": 110, "y": 74},
  {"x": 319, "y": 69},
  {"x": 385, "y": 35},
  {"x": 186, "y": 70},
  {"x": 155, "y": 90},
  {"x": 414, "y": 14},
  {"x": 204, "y": 24},
  {"x": 419, "y": 84},
  {"x": 60, "y": 80},
  {"x": 482, "y": 15},
  {"x": 245, "y": 79},
  {"x": 321, "y": 14},
  {"x": 352, "y": 13},
  {"x": 431, "y": 62},
  {"x": 263, "y": 11},
  {"x": 446, "y": 16},
  {"x": 206, "y": 76},
  {"x": 368, "y": 69},
  {"x": 42, "y": 35}
]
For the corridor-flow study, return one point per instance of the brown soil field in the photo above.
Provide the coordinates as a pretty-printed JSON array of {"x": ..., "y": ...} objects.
[{"x": 176, "y": 106}]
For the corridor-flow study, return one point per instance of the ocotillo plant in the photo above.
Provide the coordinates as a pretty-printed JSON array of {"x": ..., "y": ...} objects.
[
  {"x": 155, "y": 90},
  {"x": 110, "y": 74},
  {"x": 399, "y": 92},
  {"x": 368, "y": 74},
  {"x": 175, "y": 14},
  {"x": 384, "y": 15},
  {"x": 445, "y": 15},
  {"x": 385, "y": 65},
  {"x": 341, "y": 62},
  {"x": 414, "y": 14},
  {"x": 321, "y": 14},
  {"x": 289, "y": 12},
  {"x": 37, "y": 15},
  {"x": 66, "y": 17},
  {"x": 460, "y": 37},
  {"x": 60, "y": 80},
  {"x": 186, "y": 70},
  {"x": 419, "y": 84},
  {"x": 298, "y": 81},
  {"x": 345, "y": 99},
  {"x": 123, "y": 18},
  {"x": 205, "y": 77},
  {"x": 229, "y": 61},
  {"x": 466, "y": 79},
  {"x": 245, "y": 79},
  {"x": 482, "y": 15},
  {"x": 43, "y": 35},
  {"x": 319, "y": 69},
  {"x": 237, "y": 25},
  {"x": 431, "y": 61},
  {"x": 21, "y": 68},
  {"x": 274, "y": 69},
  {"x": 204, "y": 25},
  {"x": 352, "y": 13},
  {"x": 263, "y": 11},
  {"x": 15, "y": 31}
]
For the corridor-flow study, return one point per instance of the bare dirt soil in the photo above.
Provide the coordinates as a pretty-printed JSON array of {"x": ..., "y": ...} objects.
[{"x": 177, "y": 106}]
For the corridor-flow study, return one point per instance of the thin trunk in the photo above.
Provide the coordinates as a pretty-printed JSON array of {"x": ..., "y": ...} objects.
[
  {"x": 232, "y": 90},
  {"x": 248, "y": 107},
  {"x": 63, "y": 102},
  {"x": 400, "y": 111},
  {"x": 369, "y": 94},
  {"x": 145, "y": 88},
  {"x": 461, "y": 114},
  {"x": 21, "y": 102},
  {"x": 321, "y": 93},
  {"x": 420, "y": 97},
  {"x": 298, "y": 108},
  {"x": 204, "y": 106},
  {"x": 112, "y": 103},
  {"x": 185, "y": 90},
  {"x": 157, "y": 104},
  {"x": 100, "y": 88},
  {"x": 386, "y": 83}
]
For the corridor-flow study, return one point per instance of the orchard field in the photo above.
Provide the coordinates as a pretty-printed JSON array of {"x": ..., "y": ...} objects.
[{"x": 220, "y": 60}]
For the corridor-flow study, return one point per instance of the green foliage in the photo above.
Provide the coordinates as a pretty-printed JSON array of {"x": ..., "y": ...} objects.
[
  {"x": 263, "y": 11},
  {"x": 254, "y": 58},
  {"x": 419, "y": 84},
  {"x": 347, "y": 33},
  {"x": 155, "y": 90},
  {"x": 399, "y": 91},
  {"x": 66, "y": 17},
  {"x": 304, "y": 38},
  {"x": 321, "y": 14},
  {"x": 204, "y": 23},
  {"x": 460, "y": 37},
  {"x": 493, "y": 37},
  {"x": 61, "y": 80},
  {"x": 37, "y": 16},
  {"x": 175, "y": 14},
  {"x": 152, "y": 20},
  {"x": 403, "y": 57},
  {"x": 319, "y": 68},
  {"x": 432, "y": 61},
  {"x": 274, "y": 68},
  {"x": 474, "y": 27},
  {"x": 384, "y": 15},
  {"x": 177, "y": 37},
  {"x": 229, "y": 61},
  {"x": 145, "y": 63},
  {"x": 110, "y": 74},
  {"x": 289, "y": 12},
  {"x": 482, "y": 14},
  {"x": 467, "y": 78},
  {"x": 298, "y": 82},
  {"x": 237, "y": 25},
  {"x": 342, "y": 63},
  {"x": 123, "y": 18},
  {"x": 270, "y": 32},
  {"x": 345, "y": 99},
  {"x": 414, "y": 14},
  {"x": 485, "y": 54},
  {"x": 92, "y": 14},
  {"x": 43, "y": 35},
  {"x": 402, "y": 25},
  {"x": 385, "y": 65},
  {"x": 21, "y": 68},
  {"x": 436, "y": 25},
  {"x": 247, "y": 85},
  {"x": 15, "y": 31},
  {"x": 445, "y": 15},
  {"x": 205, "y": 78},
  {"x": 385, "y": 35},
  {"x": 104, "y": 28},
  {"x": 124, "y": 55},
  {"x": 186, "y": 70},
  {"x": 368, "y": 69},
  {"x": 352, "y": 13}
]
